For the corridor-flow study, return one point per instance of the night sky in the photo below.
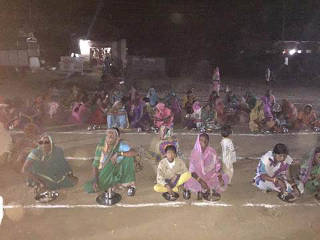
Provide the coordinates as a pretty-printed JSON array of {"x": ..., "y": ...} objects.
[{"x": 191, "y": 29}]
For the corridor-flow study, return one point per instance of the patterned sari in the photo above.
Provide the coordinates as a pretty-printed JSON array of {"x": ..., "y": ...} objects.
[
  {"x": 310, "y": 172},
  {"x": 111, "y": 175}
]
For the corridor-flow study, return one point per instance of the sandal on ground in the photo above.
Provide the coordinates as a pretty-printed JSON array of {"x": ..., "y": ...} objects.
[
  {"x": 46, "y": 196},
  {"x": 170, "y": 197},
  {"x": 286, "y": 197},
  {"x": 206, "y": 196},
  {"x": 131, "y": 191},
  {"x": 186, "y": 194},
  {"x": 199, "y": 196},
  {"x": 317, "y": 197},
  {"x": 215, "y": 196}
]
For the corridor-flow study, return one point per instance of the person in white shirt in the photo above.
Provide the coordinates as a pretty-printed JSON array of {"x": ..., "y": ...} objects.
[
  {"x": 268, "y": 77},
  {"x": 228, "y": 152},
  {"x": 273, "y": 174}
]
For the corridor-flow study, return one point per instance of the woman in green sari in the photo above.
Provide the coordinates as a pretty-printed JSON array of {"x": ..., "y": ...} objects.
[
  {"x": 310, "y": 173},
  {"x": 46, "y": 167},
  {"x": 113, "y": 164}
]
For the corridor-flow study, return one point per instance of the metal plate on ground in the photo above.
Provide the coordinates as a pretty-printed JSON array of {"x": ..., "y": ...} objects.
[{"x": 102, "y": 199}]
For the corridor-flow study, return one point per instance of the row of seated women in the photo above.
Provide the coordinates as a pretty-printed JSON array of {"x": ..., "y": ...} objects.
[
  {"x": 207, "y": 176},
  {"x": 124, "y": 108},
  {"x": 115, "y": 108},
  {"x": 268, "y": 115},
  {"x": 263, "y": 114}
]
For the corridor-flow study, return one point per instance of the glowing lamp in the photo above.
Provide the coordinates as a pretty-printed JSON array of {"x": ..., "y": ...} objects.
[
  {"x": 84, "y": 46},
  {"x": 292, "y": 51}
]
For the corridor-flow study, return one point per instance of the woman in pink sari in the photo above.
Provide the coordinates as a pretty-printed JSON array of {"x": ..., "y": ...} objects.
[
  {"x": 80, "y": 112},
  {"x": 163, "y": 116},
  {"x": 206, "y": 170}
]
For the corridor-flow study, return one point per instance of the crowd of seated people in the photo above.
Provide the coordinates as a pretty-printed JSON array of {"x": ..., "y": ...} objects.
[{"x": 123, "y": 107}]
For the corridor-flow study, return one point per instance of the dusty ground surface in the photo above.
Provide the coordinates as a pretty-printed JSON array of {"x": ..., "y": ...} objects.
[{"x": 231, "y": 218}]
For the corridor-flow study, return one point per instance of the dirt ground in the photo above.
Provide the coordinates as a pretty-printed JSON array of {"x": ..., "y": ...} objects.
[
  {"x": 230, "y": 218},
  {"x": 242, "y": 213}
]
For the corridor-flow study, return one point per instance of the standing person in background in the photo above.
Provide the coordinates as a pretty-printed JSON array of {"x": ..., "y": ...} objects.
[
  {"x": 216, "y": 80},
  {"x": 268, "y": 77},
  {"x": 228, "y": 152}
]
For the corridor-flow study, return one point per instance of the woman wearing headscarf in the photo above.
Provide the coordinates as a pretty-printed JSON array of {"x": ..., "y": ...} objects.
[
  {"x": 220, "y": 111},
  {"x": 173, "y": 103},
  {"x": 310, "y": 173},
  {"x": 250, "y": 100},
  {"x": 187, "y": 101},
  {"x": 46, "y": 167},
  {"x": 207, "y": 116},
  {"x": 117, "y": 116},
  {"x": 268, "y": 102},
  {"x": 194, "y": 120},
  {"x": 113, "y": 164},
  {"x": 139, "y": 115},
  {"x": 289, "y": 113},
  {"x": 153, "y": 97},
  {"x": 307, "y": 119},
  {"x": 101, "y": 106},
  {"x": 80, "y": 111},
  {"x": 163, "y": 116},
  {"x": 256, "y": 119},
  {"x": 208, "y": 180}
]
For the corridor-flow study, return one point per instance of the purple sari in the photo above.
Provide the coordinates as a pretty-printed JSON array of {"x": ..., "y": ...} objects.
[
  {"x": 140, "y": 117},
  {"x": 267, "y": 107}
]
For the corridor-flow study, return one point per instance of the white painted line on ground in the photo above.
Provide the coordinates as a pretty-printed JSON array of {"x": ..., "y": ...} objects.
[
  {"x": 140, "y": 205},
  {"x": 163, "y": 204},
  {"x": 79, "y": 158},
  {"x": 265, "y": 205},
  {"x": 48, "y": 206},
  {"x": 210, "y": 204}
]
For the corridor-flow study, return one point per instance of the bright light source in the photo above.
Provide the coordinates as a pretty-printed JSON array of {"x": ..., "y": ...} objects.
[
  {"x": 84, "y": 46},
  {"x": 299, "y": 51},
  {"x": 292, "y": 51},
  {"x": 75, "y": 55}
]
